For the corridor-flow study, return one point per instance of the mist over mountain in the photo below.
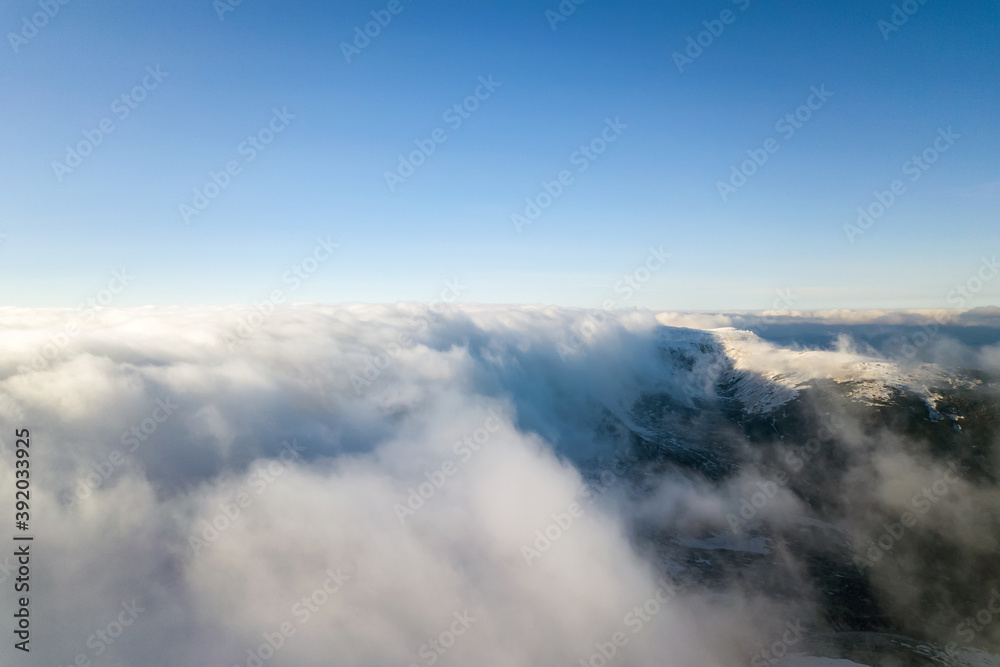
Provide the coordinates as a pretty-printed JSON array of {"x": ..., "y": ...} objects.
[{"x": 509, "y": 485}]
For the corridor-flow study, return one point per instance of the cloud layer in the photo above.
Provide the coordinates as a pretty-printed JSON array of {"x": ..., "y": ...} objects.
[{"x": 379, "y": 485}]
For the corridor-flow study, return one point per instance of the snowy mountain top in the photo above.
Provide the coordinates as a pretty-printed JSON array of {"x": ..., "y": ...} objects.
[{"x": 766, "y": 375}]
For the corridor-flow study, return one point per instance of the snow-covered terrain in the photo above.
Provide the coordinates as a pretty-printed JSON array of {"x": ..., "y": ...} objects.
[{"x": 767, "y": 376}]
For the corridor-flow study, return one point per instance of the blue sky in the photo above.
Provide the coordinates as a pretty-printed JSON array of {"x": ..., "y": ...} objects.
[{"x": 656, "y": 185}]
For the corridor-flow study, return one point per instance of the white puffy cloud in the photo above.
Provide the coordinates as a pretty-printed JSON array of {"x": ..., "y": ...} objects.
[{"x": 363, "y": 474}]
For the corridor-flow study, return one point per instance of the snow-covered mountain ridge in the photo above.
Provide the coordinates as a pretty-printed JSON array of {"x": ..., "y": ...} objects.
[{"x": 764, "y": 376}]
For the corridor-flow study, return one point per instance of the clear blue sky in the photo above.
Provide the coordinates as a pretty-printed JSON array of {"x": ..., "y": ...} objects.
[{"x": 655, "y": 185}]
